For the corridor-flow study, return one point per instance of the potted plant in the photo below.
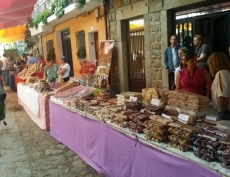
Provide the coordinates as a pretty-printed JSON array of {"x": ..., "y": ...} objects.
[{"x": 81, "y": 53}]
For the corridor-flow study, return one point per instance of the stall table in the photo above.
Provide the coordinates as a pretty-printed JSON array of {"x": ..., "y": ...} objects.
[
  {"x": 17, "y": 79},
  {"x": 35, "y": 104},
  {"x": 114, "y": 153}
]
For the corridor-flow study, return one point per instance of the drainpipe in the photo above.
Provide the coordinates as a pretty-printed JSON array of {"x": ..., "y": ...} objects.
[{"x": 106, "y": 9}]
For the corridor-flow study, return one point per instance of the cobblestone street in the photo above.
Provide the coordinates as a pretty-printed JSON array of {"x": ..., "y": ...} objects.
[{"x": 28, "y": 151}]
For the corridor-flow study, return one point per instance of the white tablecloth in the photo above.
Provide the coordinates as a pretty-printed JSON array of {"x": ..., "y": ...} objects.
[{"x": 29, "y": 97}]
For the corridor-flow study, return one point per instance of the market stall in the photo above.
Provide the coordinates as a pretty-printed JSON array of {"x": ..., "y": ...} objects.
[
  {"x": 118, "y": 153},
  {"x": 35, "y": 104}
]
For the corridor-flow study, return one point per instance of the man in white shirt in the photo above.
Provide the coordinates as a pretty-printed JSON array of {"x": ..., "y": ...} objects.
[{"x": 5, "y": 71}]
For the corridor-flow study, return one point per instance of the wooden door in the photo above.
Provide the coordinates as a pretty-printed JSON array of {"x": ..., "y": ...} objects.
[
  {"x": 96, "y": 44},
  {"x": 221, "y": 34},
  {"x": 67, "y": 50}
]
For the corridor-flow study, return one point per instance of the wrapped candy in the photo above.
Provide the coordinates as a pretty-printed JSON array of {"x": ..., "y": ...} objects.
[{"x": 87, "y": 71}]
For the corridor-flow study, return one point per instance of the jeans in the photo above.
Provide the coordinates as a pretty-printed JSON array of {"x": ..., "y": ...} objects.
[
  {"x": 5, "y": 74},
  {"x": 171, "y": 75},
  {"x": 224, "y": 116}
]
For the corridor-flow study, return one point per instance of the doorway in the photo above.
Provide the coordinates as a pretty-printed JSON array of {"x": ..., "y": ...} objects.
[
  {"x": 136, "y": 55},
  {"x": 67, "y": 50},
  {"x": 212, "y": 22}
]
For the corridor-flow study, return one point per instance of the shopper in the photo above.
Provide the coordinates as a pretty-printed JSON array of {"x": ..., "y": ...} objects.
[
  {"x": 219, "y": 67},
  {"x": 202, "y": 51},
  {"x": 10, "y": 63},
  {"x": 31, "y": 59},
  {"x": 50, "y": 70},
  {"x": 18, "y": 64},
  {"x": 171, "y": 58},
  {"x": 181, "y": 52},
  {"x": 5, "y": 71},
  {"x": 1, "y": 65},
  {"x": 24, "y": 58},
  {"x": 42, "y": 61},
  {"x": 64, "y": 69},
  {"x": 193, "y": 78}
]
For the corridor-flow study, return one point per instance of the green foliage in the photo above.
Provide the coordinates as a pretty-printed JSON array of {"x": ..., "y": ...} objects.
[
  {"x": 42, "y": 17},
  {"x": 51, "y": 54},
  {"x": 57, "y": 8},
  {"x": 80, "y": 3},
  {"x": 81, "y": 52}
]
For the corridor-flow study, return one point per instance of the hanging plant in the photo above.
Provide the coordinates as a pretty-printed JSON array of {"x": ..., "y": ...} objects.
[
  {"x": 42, "y": 17},
  {"x": 51, "y": 53},
  {"x": 79, "y": 3},
  {"x": 81, "y": 53},
  {"x": 58, "y": 6}
]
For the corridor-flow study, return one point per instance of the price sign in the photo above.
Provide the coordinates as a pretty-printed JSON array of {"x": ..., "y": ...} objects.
[
  {"x": 165, "y": 116},
  {"x": 211, "y": 117},
  {"x": 182, "y": 153},
  {"x": 183, "y": 117},
  {"x": 132, "y": 98},
  {"x": 163, "y": 145},
  {"x": 156, "y": 102}
]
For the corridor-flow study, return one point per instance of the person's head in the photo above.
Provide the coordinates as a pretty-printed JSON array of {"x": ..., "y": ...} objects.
[
  {"x": 23, "y": 55},
  {"x": 18, "y": 58},
  {"x": 30, "y": 54},
  {"x": 173, "y": 40},
  {"x": 63, "y": 60},
  {"x": 49, "y": 61},
  {"x": 181, "y": 52},
  {"x": 218, "y": 61},
  {"x": 198, "y": 40},
  {"x": 39, "y": 57},
  {"x": 190, "y": 59}
]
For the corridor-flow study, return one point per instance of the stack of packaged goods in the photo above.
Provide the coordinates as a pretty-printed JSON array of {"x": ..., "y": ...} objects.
[
  {"x": 155, "y": 110},
  {"x": 42, "y": 86},
  {"x": 136, "y": 123},
  {"x": 187, "y": 100},
  {"x": 211, "y": 143},
  {"x": 108, "y": 112},
  {"x": 122, "y": 118},
  {"x": 181, "y": 136},
  {"x": 134, "y": 105},
  {"x": 156, "y": 129}
]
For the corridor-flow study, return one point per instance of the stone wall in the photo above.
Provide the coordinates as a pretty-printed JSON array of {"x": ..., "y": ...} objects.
[{"x": 157, "y": 32}]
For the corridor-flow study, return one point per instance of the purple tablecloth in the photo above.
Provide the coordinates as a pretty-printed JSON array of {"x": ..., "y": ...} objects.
[{"x": 114, "y": 154}]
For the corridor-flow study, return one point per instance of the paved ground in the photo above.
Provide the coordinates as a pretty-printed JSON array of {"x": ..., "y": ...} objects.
[{"x": 27, "y": 151}]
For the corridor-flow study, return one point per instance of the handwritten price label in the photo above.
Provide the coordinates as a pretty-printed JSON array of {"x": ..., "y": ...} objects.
[
  {"x": 182, "y": 153},
  {"x": 132, "y": 98},
  {"x": 163, "y": 145},
  {"x": 207, "y": 163}
]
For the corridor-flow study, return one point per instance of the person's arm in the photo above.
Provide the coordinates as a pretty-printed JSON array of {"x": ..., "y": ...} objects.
[
  {"x": 222, "y": 89},
  {"x": 202, "y": 57},
  {"x": 61, "y": 70},
  {"x": 208, "y": 82},
  {"x": 178, "y": 82}
]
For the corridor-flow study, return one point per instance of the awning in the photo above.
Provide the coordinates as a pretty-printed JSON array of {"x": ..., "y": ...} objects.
[
  {"x": 12, "y": 34},
  {"x": 15, "y": 12}
]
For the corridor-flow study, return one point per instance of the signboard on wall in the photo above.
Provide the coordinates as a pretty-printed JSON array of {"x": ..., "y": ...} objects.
[{"x": 104, "y": 62}]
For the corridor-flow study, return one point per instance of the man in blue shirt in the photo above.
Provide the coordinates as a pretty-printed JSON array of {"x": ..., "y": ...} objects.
[
  {"x": 31, "y": 59},
  {"x": 171, "y": 59}
]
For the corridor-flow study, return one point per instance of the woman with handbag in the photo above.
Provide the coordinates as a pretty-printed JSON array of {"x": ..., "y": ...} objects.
[{"x": 64, "y": 69}]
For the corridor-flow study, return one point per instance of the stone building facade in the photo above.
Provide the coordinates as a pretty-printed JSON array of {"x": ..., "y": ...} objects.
[{"x": 158, "y": 29}]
